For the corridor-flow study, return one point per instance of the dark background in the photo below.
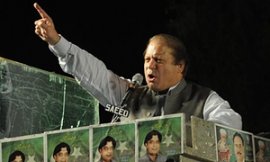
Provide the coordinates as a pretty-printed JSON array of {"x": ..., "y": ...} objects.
[{"x": 228, "y": 41}]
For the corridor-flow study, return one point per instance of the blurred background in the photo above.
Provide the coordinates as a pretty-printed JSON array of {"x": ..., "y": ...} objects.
[{"x": 228, "y": 42}]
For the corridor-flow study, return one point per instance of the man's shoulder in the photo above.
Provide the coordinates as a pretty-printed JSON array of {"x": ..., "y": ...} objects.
[
  {"x": 144, "y": 159},
  {"x": 162, "y": 157},
  {"x": 198, "y": 87}
]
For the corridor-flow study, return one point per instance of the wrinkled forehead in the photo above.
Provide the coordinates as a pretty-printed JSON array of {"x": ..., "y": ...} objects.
[
  {"x": 158, "y": 47},
  {"x": 158, "y": 42}
]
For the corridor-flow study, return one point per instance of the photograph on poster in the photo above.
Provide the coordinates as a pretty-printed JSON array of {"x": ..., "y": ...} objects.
[
  {"x": 160, "y": 138},
  {"x": 113, "y": 142},
  {"x": 69, "y": 145},
  {"x": 234, "y": 145},
  {"x": 23, "y": 149},
  {"x": 262, "y": 149}
]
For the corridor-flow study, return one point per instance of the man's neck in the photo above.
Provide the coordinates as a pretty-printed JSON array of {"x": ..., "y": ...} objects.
[{"x": 153, "y": 157}]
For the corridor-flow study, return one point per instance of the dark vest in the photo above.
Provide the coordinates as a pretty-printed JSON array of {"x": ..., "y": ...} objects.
[{"x": 187, "y": 98}]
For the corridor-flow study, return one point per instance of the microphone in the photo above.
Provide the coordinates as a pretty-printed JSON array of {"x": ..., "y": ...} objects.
[{"x": 136, "y": 81}]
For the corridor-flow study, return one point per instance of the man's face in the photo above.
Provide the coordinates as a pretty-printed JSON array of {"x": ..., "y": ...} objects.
[
  {"x": 223, "y": 137},
  {"x": 153, "y": 145},
  {"x": 160, "y": 69},
  {"x": 106, "y": 152},
  {"x": 239, "y": 149},
  {"x": 18, "y": 159},
  {"x": 61, "y": 156},
  {"x": 262, "y": 146}
]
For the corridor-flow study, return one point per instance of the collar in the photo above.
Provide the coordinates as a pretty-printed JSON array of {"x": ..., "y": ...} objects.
[
  {"x": 178, "y": 87},
  {"x": 174, "y": 89}
]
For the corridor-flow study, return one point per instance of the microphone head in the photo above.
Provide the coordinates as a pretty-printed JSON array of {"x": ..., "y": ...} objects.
[{"x": 137, "y": 79}]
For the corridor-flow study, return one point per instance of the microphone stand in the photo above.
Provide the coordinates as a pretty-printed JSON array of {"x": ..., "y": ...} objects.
[
  {"x": 136, "y": 81},
  {"x": 123, "y": 104}
]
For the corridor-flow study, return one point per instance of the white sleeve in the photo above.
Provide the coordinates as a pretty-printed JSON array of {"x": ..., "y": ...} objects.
[
  {"x": 219, "y": 111},
  {"x": 90, "y": 72}
]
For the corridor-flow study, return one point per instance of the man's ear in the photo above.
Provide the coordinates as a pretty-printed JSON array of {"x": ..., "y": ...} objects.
[{"x": 181, "y": 66}]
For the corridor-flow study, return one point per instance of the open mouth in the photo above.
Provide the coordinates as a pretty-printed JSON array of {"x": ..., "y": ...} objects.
[{"x": 151, "y": 77}]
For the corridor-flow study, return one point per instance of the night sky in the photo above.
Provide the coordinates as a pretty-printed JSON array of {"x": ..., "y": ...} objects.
[{"x": 228, "y": 42}]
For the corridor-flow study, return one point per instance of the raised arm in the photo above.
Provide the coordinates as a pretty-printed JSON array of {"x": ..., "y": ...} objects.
[{"x": 91, "y": 73}]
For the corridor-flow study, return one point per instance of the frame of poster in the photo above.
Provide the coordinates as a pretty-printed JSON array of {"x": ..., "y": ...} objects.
[
  {"x": 172, "y": 130},
  {"x": 262, "y": 149},
  {"x": 123, "y": 134},
  {"x": 233, "y": 144},
  {"x": 75, "y": 139},
  {"x": 30, "y": 146}
]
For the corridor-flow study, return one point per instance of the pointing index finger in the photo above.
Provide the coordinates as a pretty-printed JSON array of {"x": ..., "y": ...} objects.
[{"x": 41, "y": 12}]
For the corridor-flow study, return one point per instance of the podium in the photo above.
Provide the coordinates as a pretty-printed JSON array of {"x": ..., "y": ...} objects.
[
  {"x": 196, "y": 141},
  {"x": 41, "y": 109}
]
